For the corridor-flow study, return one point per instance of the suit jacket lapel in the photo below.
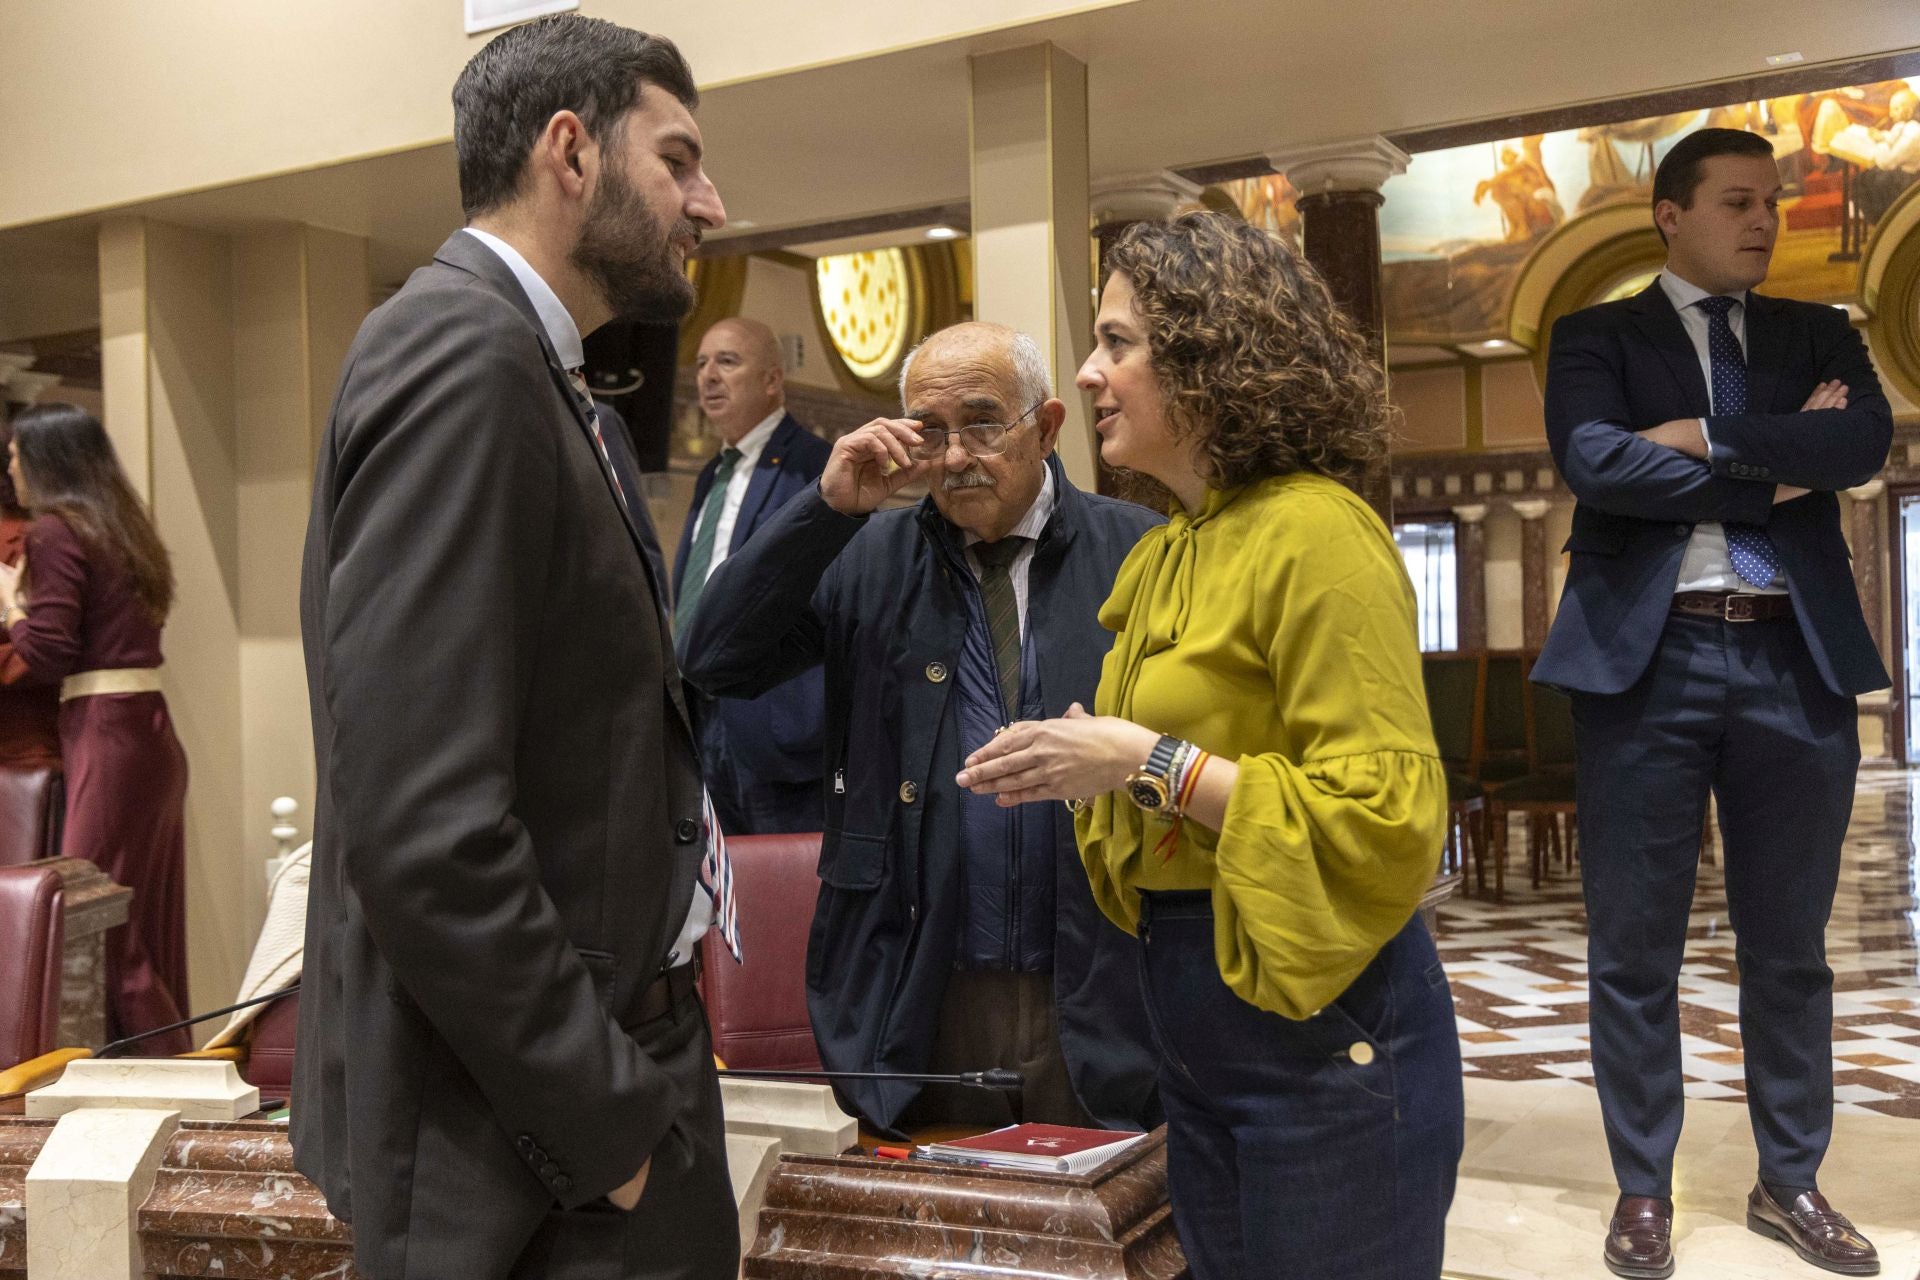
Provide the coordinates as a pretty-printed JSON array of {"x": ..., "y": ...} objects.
[
  {"x": 470, "y": 255},
  {"x": 1657, "y": 321},
  {"x": 760, "y": 486},
  {"x": 1766, "y": 352}
]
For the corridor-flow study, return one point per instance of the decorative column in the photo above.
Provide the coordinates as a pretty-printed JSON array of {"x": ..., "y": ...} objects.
[
  {"x": 1869, "y": 557},
  {"x": 1031, "y": 267},
  {"x": 1533, "y": 570},
  {"x": 1339, "y": 185},
  {"x": 1117, "y": 205},
  {"x": 1470, "y": 573}
]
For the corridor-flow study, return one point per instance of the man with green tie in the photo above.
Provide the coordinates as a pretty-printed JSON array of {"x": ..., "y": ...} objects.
[{"x": 761, "y": 755}]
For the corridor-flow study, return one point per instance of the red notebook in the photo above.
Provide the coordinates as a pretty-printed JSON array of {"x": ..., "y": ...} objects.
[{"x": 1046, "y": 1148}]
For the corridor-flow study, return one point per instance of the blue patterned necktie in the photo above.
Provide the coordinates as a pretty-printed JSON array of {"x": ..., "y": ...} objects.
[{"x": 1751, "y": 550}]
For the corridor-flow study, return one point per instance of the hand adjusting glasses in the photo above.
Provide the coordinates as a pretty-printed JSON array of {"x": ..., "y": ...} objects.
[{"x": 980, "y": 439}]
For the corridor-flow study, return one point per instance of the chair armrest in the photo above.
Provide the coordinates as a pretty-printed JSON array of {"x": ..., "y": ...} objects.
[{"x": 42, "y": 1070}]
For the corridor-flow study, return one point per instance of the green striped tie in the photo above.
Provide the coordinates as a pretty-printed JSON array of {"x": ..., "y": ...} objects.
[
  {"x": 693, "y": 579},
  {"x": 1003, "y": 614}
]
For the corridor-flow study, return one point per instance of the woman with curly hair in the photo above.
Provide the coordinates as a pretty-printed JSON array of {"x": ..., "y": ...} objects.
[
  {"x": 84, "y": 611},
  {"x": 1260, "y": 799}
]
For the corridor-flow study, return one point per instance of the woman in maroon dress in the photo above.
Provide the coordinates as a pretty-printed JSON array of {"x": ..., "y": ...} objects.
[
  {"x": 86, "y": 610},
  {"x": 29, "y": 708}
]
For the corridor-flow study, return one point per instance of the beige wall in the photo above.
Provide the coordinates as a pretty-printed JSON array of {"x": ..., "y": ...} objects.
[
  {"x": 245, "y": 88},
  {"x": 1433, "y": 409},
  {"x": 781, "y": 297},
  {"x": 219, "y": 358}
]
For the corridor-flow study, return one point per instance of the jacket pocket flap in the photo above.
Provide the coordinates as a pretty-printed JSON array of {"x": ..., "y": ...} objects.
[{"x": 852, "y": 862}]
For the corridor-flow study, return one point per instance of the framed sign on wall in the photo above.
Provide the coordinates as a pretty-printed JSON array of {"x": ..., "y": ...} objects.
[{"x": 485, "y": 15}]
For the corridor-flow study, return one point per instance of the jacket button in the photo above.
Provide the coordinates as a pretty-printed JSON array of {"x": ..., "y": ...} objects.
[
  {"x": 526, "y": 1143},
  {"x": 1361, "y": 1052},
  {"x": 549, "y": 1170},
  {"x": 685, "y": 830},
  {"x": 563, "y": 1184},
  {"x": 936, "y": 671},
  {"x": 908, "y": 793},
  {"x": 1683, "y": 529}
]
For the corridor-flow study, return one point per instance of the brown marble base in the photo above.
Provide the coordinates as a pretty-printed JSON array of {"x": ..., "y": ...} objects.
[
  {"x": 20, "y": 1143},
  {"x": 842, "y": 1217},
  {"x": 228, "y": 1202},
  {"x": 92, "y": 904}
]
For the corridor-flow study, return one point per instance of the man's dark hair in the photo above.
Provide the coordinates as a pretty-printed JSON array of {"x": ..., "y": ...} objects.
[
  {"x": 1679, "y": 174},
  {"x": 563, "y": 62}
]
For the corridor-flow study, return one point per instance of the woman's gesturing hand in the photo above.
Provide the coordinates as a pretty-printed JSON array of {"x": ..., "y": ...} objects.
[{"x": 1076, "y": 756}]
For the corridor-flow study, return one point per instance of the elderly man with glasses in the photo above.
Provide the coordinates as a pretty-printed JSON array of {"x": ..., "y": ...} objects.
[{"x": 950, "y": 934}]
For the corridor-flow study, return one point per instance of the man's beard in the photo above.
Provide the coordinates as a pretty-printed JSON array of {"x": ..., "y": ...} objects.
[{"x": 623, "y": 250}]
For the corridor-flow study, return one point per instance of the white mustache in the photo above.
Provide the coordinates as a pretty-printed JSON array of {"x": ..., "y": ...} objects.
[{"x": 969, "y": 479}]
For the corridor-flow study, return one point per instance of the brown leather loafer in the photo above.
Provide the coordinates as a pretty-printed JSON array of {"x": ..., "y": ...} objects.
[
  {"x": 1816, "y": 1232},
  {"x": 1640, "y": 1238}
]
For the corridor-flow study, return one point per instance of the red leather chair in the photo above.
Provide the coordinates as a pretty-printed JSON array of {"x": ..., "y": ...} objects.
[
  {"x": 32, "y": 936},
  {"x": 758, "y": 1009},
  {"x": 32, "y": 802},
  {"x": 269, "y": 1064}
]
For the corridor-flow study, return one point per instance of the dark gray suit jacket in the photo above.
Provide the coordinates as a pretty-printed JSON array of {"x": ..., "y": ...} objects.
[{"x": 507, "y": 827}]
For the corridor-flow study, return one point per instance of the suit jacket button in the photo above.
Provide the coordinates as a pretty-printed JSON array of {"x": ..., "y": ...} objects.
[
  {"x": 1361, "y": 1052},
  {"x": 936, "y": 671},
  {"x": 563, "y": 1184},
  {"x": 685, "y": 830},
  {"x": 549, "y": 1170},
  {"x": 908, "y": 793},
  {"x": 526, "y": 1144}
]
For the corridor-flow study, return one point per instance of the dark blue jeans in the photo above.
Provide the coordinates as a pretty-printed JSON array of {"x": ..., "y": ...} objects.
[{"x": 1304, "y": 1149}]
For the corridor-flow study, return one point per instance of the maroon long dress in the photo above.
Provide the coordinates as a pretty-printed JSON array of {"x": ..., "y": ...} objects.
[
  {"x": 126, "y": 773},
  {"x": 29, "y": 705}
]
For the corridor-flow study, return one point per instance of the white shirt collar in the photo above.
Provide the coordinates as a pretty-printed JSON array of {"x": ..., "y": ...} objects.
[
  {"x": 562, "y": 332},
  {"x": 1684, "y": 293},
  {"x": 755, "y": 441},
  {"x": 1032, "y": 524}
]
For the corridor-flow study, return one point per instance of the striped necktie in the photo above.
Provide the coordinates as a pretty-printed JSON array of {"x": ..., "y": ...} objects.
[
  {"x": 578, "y": 376},
  {"x": 1003, "y": 613},
  {"x": 716, "y": 877}
]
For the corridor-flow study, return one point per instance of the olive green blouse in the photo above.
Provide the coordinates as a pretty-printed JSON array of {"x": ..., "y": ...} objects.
[{"x": 1276, "y": 627}]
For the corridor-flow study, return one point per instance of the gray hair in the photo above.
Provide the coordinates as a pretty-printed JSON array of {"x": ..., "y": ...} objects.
[{"x": 1032, "y": 379}]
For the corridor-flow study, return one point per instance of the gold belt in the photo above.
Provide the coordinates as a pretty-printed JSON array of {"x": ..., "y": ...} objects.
[{"x": 88, "y": 684}]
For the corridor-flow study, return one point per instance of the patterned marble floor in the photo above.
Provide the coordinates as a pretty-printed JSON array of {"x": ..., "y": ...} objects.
[{"x": 1520, "y": 985}]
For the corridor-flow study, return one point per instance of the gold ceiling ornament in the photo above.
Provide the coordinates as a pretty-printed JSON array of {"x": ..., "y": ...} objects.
[{"x": 872, "y": 307}]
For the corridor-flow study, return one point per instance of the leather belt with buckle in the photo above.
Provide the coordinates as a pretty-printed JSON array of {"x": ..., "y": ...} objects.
[
  {"x": 1733, "y": 606},
  {"x": 664, "y": 995}
]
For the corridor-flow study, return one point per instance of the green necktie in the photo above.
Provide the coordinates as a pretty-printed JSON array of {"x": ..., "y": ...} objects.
[
  {"x": 1003, "y": 614},
  {"x": 693, "y": 579}
]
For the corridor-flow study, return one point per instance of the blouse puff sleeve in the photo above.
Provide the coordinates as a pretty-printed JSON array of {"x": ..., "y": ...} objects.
[
  {"x": 47, "y": 640},
  {"x": 1329, "y": 844}
]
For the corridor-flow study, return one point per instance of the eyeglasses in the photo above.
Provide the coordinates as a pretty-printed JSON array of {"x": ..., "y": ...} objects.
[{"x": 981, "y": 439}]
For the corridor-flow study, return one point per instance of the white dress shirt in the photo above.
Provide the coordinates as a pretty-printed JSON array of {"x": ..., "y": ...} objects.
[
  {"x": 1707, "y": 565},
  {"x": 751, "y": 446},
  {"x": 1030, "y": 527},
  {"x": 564, "y": 334}
]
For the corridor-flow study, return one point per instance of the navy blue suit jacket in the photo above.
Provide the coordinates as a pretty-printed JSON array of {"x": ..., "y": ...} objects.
[
  {"x": 1621, "y": 367},
  {"x": 776, "y": 736}
]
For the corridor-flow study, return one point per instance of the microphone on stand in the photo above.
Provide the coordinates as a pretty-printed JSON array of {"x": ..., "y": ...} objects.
[
  {"x": 992, "y": 1078},
  {"x": 108, "y": 1050}
]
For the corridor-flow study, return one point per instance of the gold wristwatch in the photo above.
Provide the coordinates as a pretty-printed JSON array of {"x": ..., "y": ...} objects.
[{"x": 1151, "y": 785}]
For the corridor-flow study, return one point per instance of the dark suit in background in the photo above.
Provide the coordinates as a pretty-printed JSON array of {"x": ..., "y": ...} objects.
[
  {"x": 507, "y": 834},
  {"x": 762, "y": 755},
  {"x": 1669, "y": 706}
]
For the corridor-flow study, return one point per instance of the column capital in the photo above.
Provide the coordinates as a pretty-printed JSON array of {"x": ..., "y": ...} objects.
[
  {"x": 1531, "y": 508},
  {"x": 1141, "y": 197},
  {"x": 1360, "y": 164},
  {"x": 1471, "y": 513},
  {"x": 1868, "y": 491}
]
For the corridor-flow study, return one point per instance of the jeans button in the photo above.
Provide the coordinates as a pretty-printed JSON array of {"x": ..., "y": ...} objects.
[{"x": 1361, "y": 1052}]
